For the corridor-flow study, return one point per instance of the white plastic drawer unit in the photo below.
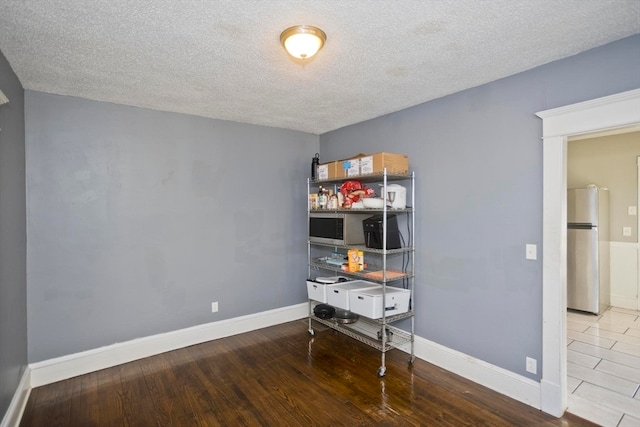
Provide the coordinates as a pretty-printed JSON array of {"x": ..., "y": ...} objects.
[
  {"x": 368, "y": 302},
  {"x": 338, "y": 295}
]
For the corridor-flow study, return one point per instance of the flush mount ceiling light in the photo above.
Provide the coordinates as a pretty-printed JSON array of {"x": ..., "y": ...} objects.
[{"x": 303, "y": 41}]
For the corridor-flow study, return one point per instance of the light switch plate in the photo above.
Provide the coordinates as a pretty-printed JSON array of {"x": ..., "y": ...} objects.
[
  {"x": 632, "y": 210},
  {"x": 531, "y": 251}
]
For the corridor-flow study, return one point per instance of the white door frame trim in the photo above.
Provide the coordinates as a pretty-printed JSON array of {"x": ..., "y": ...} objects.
[
  {"x": 638, "y": 235},
  {"x": 611, "y": 112}
]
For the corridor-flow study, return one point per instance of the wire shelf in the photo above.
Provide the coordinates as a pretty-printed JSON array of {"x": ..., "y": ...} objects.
[
  {"x": 363, "y": 248},
  {"x": 372, "y": 177},
  {"x": 368, "y": 335},
  {"x": 365, "y": 274}
]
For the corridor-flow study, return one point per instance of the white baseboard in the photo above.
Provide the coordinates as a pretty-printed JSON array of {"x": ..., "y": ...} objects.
[
  {"x": 624, "y": 275},
  {"x": 19, "y": 401},
  {"x": 498, "y": 379},
  {"x": 61, "y": 368},
  {"x": 505, "y": 382},
  {"x": 551, "y": 398},
  {"x": 623, "y": 301}
]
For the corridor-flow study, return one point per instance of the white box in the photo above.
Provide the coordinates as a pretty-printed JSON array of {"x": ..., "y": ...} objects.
[
  {"x": 338, "y": 294},
  {"x": 347, "y": 168},
  {"x": 368, "y": 302},
  {"x": 317, "y": 288},
  {"x": 317, "y": 291}
]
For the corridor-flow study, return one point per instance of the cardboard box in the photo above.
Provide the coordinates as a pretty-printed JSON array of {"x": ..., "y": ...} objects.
[
  {"x": 326, "y": 171},
  {"x": 375, "y": 164},
  {"x": 313, "y": 201},
  {"x": 348, "y": 168},
  {"x": 368, "y": 164},
  {"x": 368, "y": 302}
]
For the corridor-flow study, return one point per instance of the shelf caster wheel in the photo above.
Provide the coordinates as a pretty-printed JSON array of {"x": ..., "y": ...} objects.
[
  {"x": 411, "y": 360},
  {"x": 311, "y": 332},
  {"x": 381, "y": 371}
]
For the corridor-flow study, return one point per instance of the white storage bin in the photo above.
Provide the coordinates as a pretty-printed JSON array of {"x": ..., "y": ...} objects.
[
  {"x": 317, "y": 288},
  {"x": 317, "y": 291},
  {"x": 368, "y": 302},
  {"x": 338, "y": 294}
]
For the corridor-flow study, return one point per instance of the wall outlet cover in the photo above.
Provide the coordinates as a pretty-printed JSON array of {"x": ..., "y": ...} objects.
[{"x": 532, "y": 365}]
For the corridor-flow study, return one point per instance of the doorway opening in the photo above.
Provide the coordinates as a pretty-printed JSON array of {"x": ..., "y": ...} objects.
[{"x": 608, "y": 113}]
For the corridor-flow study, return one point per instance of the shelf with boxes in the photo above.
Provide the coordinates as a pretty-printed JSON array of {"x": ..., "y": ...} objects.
[
  {"x": 364, "y": 166},
  {"x": 371, "y": 249},
  {"x": 372, "y": 272},
  {"x": 363, "y": 301}
]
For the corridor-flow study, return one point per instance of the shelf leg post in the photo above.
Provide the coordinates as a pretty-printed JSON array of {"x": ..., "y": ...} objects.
[
  {"x": 383, "y": 369},
  {"x": 310, "y": 328}
]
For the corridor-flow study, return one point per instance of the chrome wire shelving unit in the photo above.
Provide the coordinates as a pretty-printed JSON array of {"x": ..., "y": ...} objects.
[{"x": 377, "y": 333}]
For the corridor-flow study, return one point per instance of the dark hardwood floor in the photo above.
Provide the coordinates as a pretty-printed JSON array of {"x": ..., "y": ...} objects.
[{"x": 277, "y": 376}]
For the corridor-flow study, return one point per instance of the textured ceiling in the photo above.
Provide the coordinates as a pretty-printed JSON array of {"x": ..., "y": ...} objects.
[{"x": 222, "y": 59}]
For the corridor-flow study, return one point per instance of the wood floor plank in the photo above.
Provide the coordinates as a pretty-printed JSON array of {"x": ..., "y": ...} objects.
[
  {"x": 131, "y": 393},
  {"x": 166, "y": 393},
  {"x": 108, "y": 405},
  {"x": 278, "y": 376},
  {"x": 86, "y": 402}
]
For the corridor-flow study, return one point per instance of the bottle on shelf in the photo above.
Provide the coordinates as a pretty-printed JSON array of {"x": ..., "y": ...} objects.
[
  {"x": 322, "y": 198},
  {"x": 315, "y": 161}
]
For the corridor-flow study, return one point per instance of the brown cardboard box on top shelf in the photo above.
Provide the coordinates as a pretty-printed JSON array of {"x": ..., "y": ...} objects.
[
  {"x": 348, "y": 168},
  {"x": 368, "y": 164},
  {"x": 396, "y": 164},
  {"x": 326, "y": 171}
]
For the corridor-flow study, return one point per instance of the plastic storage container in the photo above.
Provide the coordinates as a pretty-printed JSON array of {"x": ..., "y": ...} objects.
[
  {"x": 368, "y": 302},
  {"x": 338, "y": 294}
]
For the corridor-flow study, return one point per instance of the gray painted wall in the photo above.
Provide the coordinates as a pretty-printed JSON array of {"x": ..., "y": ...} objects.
[
  {"x": 478, "y": 159},
  {"x": 13, "y": 238},
  {"x": 139, "y": 219}
]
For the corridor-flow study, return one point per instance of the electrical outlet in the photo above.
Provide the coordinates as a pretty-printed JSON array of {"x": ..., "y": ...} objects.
[
  {"x": 632, "y": 210},
  {"x": 531, "y": 251},
  {"x": 532, "y": 365},
  {"x": 626, "y": 231},
  {"x": 214, "y": 307}
]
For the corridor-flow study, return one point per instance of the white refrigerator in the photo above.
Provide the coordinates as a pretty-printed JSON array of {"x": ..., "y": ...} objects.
[{"x": 588, "y": 259}]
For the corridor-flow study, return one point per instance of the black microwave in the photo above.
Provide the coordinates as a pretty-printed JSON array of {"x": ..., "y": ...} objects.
[{"x": 336, "y": 228}]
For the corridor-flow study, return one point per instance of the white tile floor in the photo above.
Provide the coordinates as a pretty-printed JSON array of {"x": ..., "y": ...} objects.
[{"x": 603, "y": 366}]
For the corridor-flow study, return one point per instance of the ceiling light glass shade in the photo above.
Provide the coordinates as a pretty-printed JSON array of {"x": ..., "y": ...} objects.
[{"x": 303, "y": 41}]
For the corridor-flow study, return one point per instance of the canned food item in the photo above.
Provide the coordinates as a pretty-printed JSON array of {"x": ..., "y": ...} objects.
[{"x": 313, "y": 201}]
